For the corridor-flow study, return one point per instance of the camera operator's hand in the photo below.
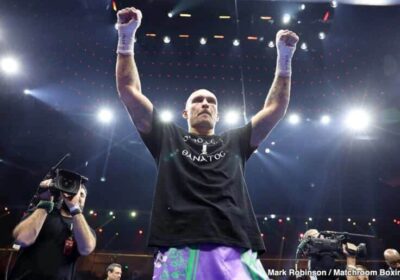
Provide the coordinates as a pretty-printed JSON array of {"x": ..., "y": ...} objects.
[
  {"x": 44, "y": 191},
  {"x": 75, "y": 201}
]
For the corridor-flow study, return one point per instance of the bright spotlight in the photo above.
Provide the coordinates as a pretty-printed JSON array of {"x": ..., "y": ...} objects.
[
  {"x": 167, "y": 40},
  {"x": 133, "y": 214},
  {"x": 302, "y": 7},
  {"x": 203, "y": 41},
  {"x": 286, "y": 18},
  {"x": 334, "y": 4},
  {"x": 105, "y": 115},
  {"x": 170, "y": 15},
  {"x": 267, "y": 150},
  {"x": 166, "y": 116},
  {"x": 325, "y": 119},
  {"x": 27, "y": 91},
  {"x": 231, "y": 117},
  {"x": 357, "y": 119},
  {"x": 303, "y": 46},
  {"x": 271, "y": 44},
  {"x": 272, "y": 216},
  {"x": 321, "y": 35},
  {"x": 103, "y": 179},
  {"x": 236, "y": 42},
  {"x": 294, "y": 119},
  {"x": 9, "y": 65}
]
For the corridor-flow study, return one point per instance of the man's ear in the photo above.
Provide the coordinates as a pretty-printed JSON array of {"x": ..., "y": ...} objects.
[{"x": 185, "y": 114}]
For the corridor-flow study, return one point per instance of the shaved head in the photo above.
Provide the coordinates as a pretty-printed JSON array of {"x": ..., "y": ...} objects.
[
  {"x": 201, "y": 112},
  {"x": 196, "y": 93}
]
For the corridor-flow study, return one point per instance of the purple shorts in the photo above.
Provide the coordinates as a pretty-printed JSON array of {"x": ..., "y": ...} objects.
[{"x": 208, "y": 262}]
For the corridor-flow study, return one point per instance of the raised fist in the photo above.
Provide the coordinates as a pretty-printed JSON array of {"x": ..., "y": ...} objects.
[{"x": 286, "y": 38}]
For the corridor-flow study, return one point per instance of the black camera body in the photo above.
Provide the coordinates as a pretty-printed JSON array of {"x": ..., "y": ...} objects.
[
  {"x": 324, "y": 251},
  {"x": 67, "y": 182},
  {"x": 331, "y": 243}
]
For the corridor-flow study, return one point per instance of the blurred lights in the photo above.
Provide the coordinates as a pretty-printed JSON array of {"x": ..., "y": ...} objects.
[
  {"x": 334, "y": 4},
  {"x": 302, "y": 7},
  {"x": 232, "y": 117},
  {"x": 27, "y": 91},
  {"x": 103, "y": 179},
  {"x": 286, "y": 19},
  {"x": 304, "y": 46},
  {"x": 236, "y": 42},
  {"x": 325, "y": 119},
  {"x": 170, "y": 15},
  {"x": 272, "y": 216},
  {"x": 9, "y": 65},
  {"x": 111, "y": 213},
  {"x": 133, "y": 214},
  {"x": 329, "y": 219},
  {"x": 267, "y": 150},
  {"x": 166, "y": 116},
  {"x": 185, "y": 15},
  {"x": 271, "y": 44},
  {"x": 310, "y": 219},
  {"x": 349, "y": 220},
  {"x": 105, "y": 115},
  {"x": 357, "y": 120},
  {"x": 321, "y": 35},
  {"x": 203, "y": 41},
  {"x": 294, "y": 119},
  {"x": 288, "y": 219},
  {"x": 140, "y": 232},
  {"x": 167, "y": 39}
]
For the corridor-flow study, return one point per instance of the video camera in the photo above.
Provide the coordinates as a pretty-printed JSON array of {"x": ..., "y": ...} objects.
[
  {"x": 331, "y": 243},
  {"x": 64, "y": 181}
]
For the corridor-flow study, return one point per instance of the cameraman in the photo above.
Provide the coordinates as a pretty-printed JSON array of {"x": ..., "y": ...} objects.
[
  {"x": 52, "y": 239},
  {"x": 327, "y": 260}
]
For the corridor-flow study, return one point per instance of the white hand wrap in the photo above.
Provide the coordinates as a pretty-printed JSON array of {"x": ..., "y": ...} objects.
[
  {"x": 126, "y": 34},
  {"x": 284, "y": 60}
]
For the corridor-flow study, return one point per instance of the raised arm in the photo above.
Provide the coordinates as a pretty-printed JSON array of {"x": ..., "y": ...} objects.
[
  {"x": 128, "y": 82},
  {"x": 278, "y": 96}
]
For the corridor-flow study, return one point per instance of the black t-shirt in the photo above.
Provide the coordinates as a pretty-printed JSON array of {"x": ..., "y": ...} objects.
[
  {"x": 45, "y": 259},
  {"x": 201, "y": 195}
]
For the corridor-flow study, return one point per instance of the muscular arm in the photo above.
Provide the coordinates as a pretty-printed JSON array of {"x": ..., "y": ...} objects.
[
  {"x": 274, "y": 109},
  {"x": 128, "y": 84},
  {"x": 84, "y": 237},
  {"x": 278, "y": 96},
  {"x": 26, "y": 232}
]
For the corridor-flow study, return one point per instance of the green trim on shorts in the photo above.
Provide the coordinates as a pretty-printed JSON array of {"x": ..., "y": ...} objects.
[
  {"x": 192, "y": 264},
  {"x": 253, "y": 265}
]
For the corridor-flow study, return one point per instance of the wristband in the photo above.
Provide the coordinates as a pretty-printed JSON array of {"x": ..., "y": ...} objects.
[
  {"x": 46, "y": 205},
  {"x": 126, "y": 34},
  {"x": 284, "y": 60},
  {"x": 75, "y": 210}
]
